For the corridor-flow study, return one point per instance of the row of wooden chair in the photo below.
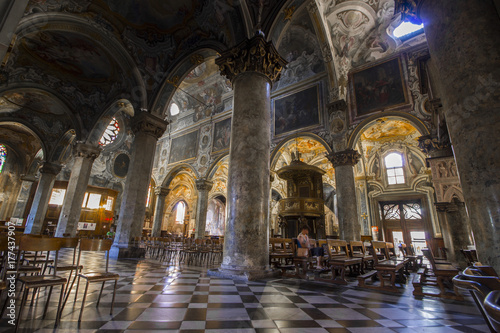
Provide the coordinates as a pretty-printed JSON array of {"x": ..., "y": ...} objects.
[
  {"x": 483, "y": 283},
  {"x": 39, "y": 257}
]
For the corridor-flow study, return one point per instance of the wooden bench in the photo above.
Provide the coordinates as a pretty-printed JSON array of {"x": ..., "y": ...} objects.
[{"x": 281, "y": 253}]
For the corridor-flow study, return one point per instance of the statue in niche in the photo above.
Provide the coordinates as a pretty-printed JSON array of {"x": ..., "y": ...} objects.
[
  {"x": 411, "y": 164},
  {"x": 453, "y": 169},
  {"x": 443, "y": 172}
]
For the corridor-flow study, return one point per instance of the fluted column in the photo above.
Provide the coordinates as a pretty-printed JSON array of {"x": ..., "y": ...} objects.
[
  {"x": 34, "y": 222},
  {"x": 161, "y": 194},
  {"x": 148, "y": 129},
  {"x": 455, "y": 229},
  {"x": 203, "y": 186},
  {"x": 252, "y": 66},
  {"x": 343, "y": 162},
  {"x": 84, "y": 156},
  {"x": 462, "y": 36}
]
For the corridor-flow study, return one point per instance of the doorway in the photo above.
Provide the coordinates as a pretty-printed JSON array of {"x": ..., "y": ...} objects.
[{"x": 403, "y": 222}]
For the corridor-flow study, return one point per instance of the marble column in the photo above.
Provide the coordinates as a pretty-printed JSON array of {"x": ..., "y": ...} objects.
[
  {"x": 203, "y": 186},
  {"x": 161, "y": 194},
  {"x": 343, "y": 162},
  {"x": 463, "y": 41},
  {"x": 252, "y": 66},
  {"x": 34, "y": 222},
  {"x": 23, "y": 196},
  {"x": 84, "y": 156},
  {"x": 456, "y": 230},
  {"x": 147, "y": 129}
]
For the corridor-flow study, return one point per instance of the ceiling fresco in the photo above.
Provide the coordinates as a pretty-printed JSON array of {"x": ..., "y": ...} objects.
[
  {"x": 385, "y": 129},
  {"x": 40, "y": 102},
  {"x": 21, "y": 140},
  {"x": 69, "y": 54}
]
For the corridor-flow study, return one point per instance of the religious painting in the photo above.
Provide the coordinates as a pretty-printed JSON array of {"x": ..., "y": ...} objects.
[
  {"x": 297, "y": 111},
  {"x": 184, "y": 147},
  {"x": 379, "y": 87},
  {"x": 222, "y": 135},
  {"x": 120, "y": 165}
]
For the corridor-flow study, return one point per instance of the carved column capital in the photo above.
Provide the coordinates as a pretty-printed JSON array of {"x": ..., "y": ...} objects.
[
  {"x": 346, "y": 157},
  {"x": 86, "y": 151},
  {"x": 161, "y": 191},
  {"x": 149, "y": 124},
  {"x": 204, "y": 185},
  {"x": 252, "y": 55},
  {"x": 431, "y": 146},
  {"x": 410, "y": 10},
  {"x": 50, "y": 168}
]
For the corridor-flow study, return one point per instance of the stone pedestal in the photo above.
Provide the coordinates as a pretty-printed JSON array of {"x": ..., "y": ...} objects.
[
  {"x": 455, "y": 229},
  {"x": 463, "y": 42},
  {"x": 203, "y": 186},
  {"x": 84, "y": 156},
  {"x": 343, "y": 162},
  {"x": 148, "y": 129},
  {"x": 34, "y": 222},
  {"x": 252, "y": 66},
  {"x": 161, "y": 194}
]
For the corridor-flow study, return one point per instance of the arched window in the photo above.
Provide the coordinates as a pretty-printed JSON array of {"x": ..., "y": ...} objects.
[
  {"x": 110, "y": 133},
  {"x": 3, "y": 156},
  {"x": 180, "y": 212},
  {"x": 174, "y": 109},
  {"x": 394, "y": 167},
  {"x": 407, "y": 30}
]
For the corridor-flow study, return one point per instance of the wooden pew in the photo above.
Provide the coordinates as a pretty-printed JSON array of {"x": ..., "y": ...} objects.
[{"x": 281, "y": 253}]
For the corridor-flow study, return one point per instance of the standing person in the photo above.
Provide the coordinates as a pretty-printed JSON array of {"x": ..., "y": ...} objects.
[
  {"x": 111, "y": 233},
  {"x": 303, "y": 239}
]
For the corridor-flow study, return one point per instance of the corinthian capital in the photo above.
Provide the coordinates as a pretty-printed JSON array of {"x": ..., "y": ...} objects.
[
  {"x": 346, "y": 157},
  {"x": 50, "y": 168},
  {"x": 147, "y": 123},
  {"x": 86, "y": 151},
  {"x": 252, "y": 55},
  {"x": 204, "y": 185},
  {"x": 410, "y": 10},
  {"x": 161, "y": 191}
]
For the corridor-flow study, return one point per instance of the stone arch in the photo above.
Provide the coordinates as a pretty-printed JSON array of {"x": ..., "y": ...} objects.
[
  {"x": 453, "y": 192},
  {"x": 63, "y": 148},
  {"x": 215, "y": 165},
  {"x": 28, "y": 127},
  {"x": 183, "y": 168},
  {"x": 178, "y": 71},
  {"x": 414, "y": 121},
  {"x": 275, "y": 153}
]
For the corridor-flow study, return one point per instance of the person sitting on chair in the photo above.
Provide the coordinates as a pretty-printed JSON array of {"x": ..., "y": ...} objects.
[{"x": 303, "y": 240}]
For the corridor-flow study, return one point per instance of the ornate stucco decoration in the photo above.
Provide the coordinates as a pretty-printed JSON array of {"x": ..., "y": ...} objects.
[
  {"x": 346, "y": 157},
  {"x": 445, "y": 178},
  {"x": 147, "y": 123},
  {"x": 253, "y": 55},
  {"x": 86, "y": 151}
]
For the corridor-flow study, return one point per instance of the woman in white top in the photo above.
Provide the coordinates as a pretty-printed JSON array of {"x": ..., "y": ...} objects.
[{"x": 303, "y": 239}]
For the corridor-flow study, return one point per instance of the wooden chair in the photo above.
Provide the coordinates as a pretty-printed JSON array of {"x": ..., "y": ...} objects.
[
  {"x": 358, "y": 250},
  {"x": 69, "y": 243},
  {"x": 414, "y": 261},
  {"x": 386, "y": 270},
  {"x": 302, "y": 260},
  {"x": 95, "y": 245},
  {"x": 443, "y": 274},
  {"x": 35, "y": 282},
  {"x": 339, "y": 260},
  {"x": 492, "y": 307}
]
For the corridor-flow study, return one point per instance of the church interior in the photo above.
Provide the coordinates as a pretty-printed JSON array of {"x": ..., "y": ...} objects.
[{"x": 179, "y": 148}]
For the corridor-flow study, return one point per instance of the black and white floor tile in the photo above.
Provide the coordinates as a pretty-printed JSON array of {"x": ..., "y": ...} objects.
[{"x": 153, "y": 296}]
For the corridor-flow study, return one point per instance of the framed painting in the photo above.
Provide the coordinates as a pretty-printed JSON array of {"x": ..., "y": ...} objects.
[
  {"x": 379, "y": 87},
  {"x": 184, "y": 147},
  {"x": 222, "y": 135},
  {"x": 120, "y": 165},
  {"x": 296, "y": 111}
]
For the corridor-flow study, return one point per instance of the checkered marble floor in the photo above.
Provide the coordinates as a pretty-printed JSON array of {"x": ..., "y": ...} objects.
[{"x": 153, "y": 296}]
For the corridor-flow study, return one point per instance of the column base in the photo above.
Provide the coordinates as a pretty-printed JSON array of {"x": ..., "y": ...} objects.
[
  {"x": 245, "y": 275},
  {"x": 127, "y": 252}
]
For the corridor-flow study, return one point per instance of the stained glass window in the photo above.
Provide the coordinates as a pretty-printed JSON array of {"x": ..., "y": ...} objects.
[
  {"x": 3, "y": 156},
  {"x": 110, "y": 133},
  {"x": 394, "y": 167},
  {"x": 174, "y": 109},
  {"x": 413, "y": 211}
]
